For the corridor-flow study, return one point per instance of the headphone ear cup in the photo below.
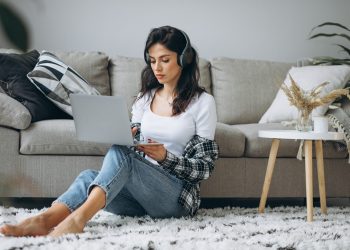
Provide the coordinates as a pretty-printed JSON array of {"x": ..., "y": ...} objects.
[
  {"x": 147, "y": 59},
  {"x": 180, "y": 60},
  {"x": 185, "y": 58}
]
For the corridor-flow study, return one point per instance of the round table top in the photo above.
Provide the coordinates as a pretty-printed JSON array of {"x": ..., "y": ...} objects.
[{"x": 295, "y": 134}]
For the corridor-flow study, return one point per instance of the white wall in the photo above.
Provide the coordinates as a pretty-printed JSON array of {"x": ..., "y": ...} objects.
[{"x": 253, "y": 29}]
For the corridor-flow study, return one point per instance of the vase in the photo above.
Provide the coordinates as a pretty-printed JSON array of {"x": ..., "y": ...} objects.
[{"x": 304, "y": 121}]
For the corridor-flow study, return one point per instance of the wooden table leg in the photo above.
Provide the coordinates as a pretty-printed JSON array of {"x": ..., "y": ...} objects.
[
  {"x": 320, "y": 173},
  {"x": 268, "y": 175},
  {"x": 308, "y": 178}
]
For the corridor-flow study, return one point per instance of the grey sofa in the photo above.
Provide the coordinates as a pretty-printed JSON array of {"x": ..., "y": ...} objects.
[{"x": 43, "y": 159}]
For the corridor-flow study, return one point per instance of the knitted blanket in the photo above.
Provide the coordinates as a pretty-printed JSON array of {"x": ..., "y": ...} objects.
[{"x": 339, "y": 119}]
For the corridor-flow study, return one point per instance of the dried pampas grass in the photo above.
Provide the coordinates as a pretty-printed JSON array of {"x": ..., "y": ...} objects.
[{"x": 306, "y": 101}]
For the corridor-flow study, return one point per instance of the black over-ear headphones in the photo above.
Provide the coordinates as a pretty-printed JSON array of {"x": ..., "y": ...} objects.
[{"x": 183, "y": 59}]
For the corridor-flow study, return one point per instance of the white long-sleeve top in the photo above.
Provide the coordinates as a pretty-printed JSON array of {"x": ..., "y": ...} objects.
[{"x": 176, "y": 131}]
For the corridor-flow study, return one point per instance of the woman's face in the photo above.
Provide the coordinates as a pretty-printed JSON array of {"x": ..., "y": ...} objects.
[{"x": 164, "y": 64}]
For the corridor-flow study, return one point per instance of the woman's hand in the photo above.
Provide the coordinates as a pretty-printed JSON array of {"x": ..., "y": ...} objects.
[
  {"x": 133, "y": 131},
  {"x": 156, "y": 152}
]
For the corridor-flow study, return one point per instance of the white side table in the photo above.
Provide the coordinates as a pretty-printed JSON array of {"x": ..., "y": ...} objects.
[{"x": 277, "y": 135}]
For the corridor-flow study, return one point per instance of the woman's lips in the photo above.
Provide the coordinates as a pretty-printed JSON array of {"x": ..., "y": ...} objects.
[{"x": 160, "y": 76}]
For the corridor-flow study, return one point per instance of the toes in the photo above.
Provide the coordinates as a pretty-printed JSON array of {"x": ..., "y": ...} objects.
[{"x": 6, "y": 229}]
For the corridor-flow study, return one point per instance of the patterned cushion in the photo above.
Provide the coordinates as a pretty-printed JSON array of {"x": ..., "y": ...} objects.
[{"x": 57, "y": 81}]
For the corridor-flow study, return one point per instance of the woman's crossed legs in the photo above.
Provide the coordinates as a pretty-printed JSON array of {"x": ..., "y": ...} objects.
[{"x": 127, "y": 184}]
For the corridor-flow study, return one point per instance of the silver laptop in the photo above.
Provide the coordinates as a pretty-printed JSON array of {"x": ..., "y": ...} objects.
[{"x": 103, "y": 119}]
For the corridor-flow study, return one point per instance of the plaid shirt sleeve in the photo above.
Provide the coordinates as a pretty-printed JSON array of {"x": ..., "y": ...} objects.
[
  {"x": 196, "y": 163},
  {"x": 137, "y": 137},
  {"x": 138, "y": 132}
]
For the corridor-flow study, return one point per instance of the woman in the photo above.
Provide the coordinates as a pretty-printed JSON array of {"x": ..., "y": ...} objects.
[{"x": 160, "y": 180}]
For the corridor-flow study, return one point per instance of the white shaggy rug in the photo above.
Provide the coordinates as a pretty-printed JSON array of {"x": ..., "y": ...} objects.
[{"x": 228, "y": 228}]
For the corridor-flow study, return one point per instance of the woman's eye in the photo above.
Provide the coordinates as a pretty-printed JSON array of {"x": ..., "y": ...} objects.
[{"x": 163, "y": 60}]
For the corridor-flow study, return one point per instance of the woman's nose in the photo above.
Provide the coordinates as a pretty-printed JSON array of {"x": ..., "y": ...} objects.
[{"x": 158, "y": 66}]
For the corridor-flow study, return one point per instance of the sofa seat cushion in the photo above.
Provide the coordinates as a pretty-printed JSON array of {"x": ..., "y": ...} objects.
[
  {"x": 260, "y": 147},
  {"x": 231, "y": 140},
  {"x": 56, "y": 137}
]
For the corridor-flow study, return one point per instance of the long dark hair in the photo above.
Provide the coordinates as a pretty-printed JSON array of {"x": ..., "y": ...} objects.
[{"x": 187, "y": 87}]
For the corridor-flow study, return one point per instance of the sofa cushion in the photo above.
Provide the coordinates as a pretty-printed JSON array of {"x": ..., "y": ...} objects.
[
  {"x": 15, "y": 51},
  {"x": 13, "y": 114},
  {"x": 92, "y": 66},
  {"x": 125, "y": 74},
  {"x": 244, "y": 89},
  {"x": 205, "y": 77},
  {"x": 260, "y": 147},
  {"x": 231, "y": 140},
  {"x": 57, "y": 137},
  {"x": 13, "y": 64},
  {"x": 13, "y": 80},
  {"x": 57, "y": 81}
]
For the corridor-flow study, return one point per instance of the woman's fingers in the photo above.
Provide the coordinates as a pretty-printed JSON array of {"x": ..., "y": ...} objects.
[
  {"x": 133, "y": 131},
  {"x": 156, "y": 152}
]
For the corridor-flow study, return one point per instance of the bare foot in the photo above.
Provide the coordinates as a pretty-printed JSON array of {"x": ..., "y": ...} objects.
[
  {"x": 72, "y": 224},
  {"x": 33, "y": 226}
]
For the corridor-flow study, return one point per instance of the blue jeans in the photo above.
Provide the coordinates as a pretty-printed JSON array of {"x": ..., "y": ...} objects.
[{"x": 133, "y": 186}]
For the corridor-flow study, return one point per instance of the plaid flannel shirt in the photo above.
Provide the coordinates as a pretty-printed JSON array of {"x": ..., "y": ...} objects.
[{"x": 195, "y": 164}]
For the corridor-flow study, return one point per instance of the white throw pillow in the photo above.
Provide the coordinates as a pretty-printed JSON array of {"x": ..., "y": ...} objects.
[{"x": 307, "y": 78}]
